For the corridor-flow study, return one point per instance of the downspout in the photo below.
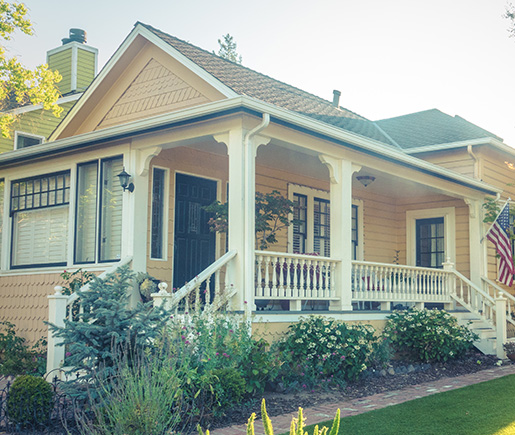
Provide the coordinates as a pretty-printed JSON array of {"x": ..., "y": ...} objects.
[
  {"x": 249, "y": 213},
  {"x": 476, "y": 162}
]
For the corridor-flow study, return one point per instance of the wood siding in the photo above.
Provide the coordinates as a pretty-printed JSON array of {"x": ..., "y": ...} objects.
[
  {"x": 457, "y": 160},
  {"x": 62, "y": 62},
  {"x": 85, "y": 68}
]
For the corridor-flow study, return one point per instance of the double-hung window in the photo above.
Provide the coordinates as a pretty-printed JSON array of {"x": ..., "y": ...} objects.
[
  {"x": 311, "y": 231},
  {"x": 39, "y": 210},
  {"x": 98, "y": 216}
]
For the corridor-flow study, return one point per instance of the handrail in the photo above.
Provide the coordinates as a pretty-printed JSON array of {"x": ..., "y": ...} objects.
[
  {"x": 475, "y": 287},
  {"x": 400, "y": 266},
  {"x": 202, "y": 276},
  {"x": 74, "y": 296},
  {"x": 506, "y": 294},
  {"x": 299, "y": 256}
]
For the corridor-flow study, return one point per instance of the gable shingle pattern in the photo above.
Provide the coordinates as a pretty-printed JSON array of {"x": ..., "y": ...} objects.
[
  {"x": 245, "y": 81},
  {"x": 431, "y": 127}
]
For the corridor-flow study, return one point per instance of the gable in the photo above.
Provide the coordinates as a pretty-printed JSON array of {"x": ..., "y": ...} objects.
[
  {"x": 142, "y": 80},
  {"x": 155, "y": 90}
]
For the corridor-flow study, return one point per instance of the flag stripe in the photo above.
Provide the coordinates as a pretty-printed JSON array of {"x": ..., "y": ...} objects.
[{"x": 499, "y": 236}]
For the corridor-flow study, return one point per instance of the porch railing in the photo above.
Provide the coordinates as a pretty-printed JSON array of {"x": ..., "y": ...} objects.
[
  {"x": 398, "y": 283},
  {"x": 209, "y": 290},
  {"x": 294, "y": 277},
  {"x": 494, "y": 290}
]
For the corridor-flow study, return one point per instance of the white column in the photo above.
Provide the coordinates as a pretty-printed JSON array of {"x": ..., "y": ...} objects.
[
  {"x": 341, "y": 172},
  {"x": 500, "y": 321},
  {"x": 242, "y": 199},
  {"x": 56, "y": 316},
  {"x": 476, "y": 248}
]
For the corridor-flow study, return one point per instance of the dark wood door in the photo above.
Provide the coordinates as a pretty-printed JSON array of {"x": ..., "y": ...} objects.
[
  {"x": 194, "y": 243},
  {"x": 430, "y": 242}
]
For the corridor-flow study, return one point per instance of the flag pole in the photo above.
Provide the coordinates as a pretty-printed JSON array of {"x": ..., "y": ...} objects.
[{"x": 492, "y": 224}]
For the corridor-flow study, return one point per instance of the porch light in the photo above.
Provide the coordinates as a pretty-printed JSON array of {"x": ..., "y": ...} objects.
[
  {"x": 365, "y": 179},
  {"x": 124, "y": 181}
]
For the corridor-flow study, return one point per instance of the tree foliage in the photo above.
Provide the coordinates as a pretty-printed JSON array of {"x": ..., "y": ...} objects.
[
  {"x": 510, "y": 15},
  {"x": 227, "y": 49},
  {"x": 19, "y": 85}
]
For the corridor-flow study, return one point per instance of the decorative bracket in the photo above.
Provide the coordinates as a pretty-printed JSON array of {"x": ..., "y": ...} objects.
[{"x": 144, "y": 157}]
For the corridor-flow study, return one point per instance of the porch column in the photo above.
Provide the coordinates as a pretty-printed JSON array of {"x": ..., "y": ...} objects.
[
  {"x": 476, "y": 248},
  {"x": 241, "y": 149},
  {"x": 135, "y": 211},
  {"x": 340, "y": 172}
]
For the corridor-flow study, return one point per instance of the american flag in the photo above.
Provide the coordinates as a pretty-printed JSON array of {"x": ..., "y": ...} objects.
[{"x": 499, "y": 235}]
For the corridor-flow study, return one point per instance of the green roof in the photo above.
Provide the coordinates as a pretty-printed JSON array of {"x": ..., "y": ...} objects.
[{"x": 431, "y": 127}]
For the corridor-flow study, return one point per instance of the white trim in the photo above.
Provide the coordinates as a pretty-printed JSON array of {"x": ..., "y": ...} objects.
[
  {"x": 360, "y": 256},
  {"x": 29, "y": 135},
  {"x": 33, "y": 107},
  {"x": 462, "y": 144},
  {"x": 251, "y": 103},
  {"x": 73, "y": 77},
  {"x": 71, "y": 44},
  {"x": 166, "y": 205},
  {"x": 449, "y": 218}
]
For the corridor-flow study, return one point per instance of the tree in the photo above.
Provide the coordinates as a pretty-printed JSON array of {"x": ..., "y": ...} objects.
[
  {"x": 228, "y": 49},
  {"x": 18, "y": 85},
  {"x": 510, "y": 14}
]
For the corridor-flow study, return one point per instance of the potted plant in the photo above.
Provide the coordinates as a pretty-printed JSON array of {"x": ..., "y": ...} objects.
[
  {"x": 147, "y": 285},
  {"x": 509, "y": 348}
]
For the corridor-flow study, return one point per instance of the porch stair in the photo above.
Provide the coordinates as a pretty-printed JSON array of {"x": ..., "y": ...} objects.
[{"x": 487, "y": 342}]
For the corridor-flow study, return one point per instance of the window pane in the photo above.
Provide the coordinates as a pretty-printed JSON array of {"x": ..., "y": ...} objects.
[
  {"x": 321, "y": 227},
  {"x": 300, "y": 225},
  {"x": 158, "y": 213},
  {"x": 111, "y": 210},
  {"x": 86, "y": 216},
  {"x": 40, "y": 236}
]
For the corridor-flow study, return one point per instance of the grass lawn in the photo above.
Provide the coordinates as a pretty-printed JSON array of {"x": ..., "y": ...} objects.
[{"x": 487, "y": 408}]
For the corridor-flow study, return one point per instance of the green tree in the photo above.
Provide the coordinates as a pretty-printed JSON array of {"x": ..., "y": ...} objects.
[
  {"x": 510, "y": 14},
  {"x": 18, "y": 85},
  {"x": 227, "y": 49}
]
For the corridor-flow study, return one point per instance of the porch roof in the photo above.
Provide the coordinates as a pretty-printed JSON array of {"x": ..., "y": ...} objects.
[{"x": 236, "y": 105}]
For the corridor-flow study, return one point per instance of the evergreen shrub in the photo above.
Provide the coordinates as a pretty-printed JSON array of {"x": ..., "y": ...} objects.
[{"x": 30, "y": 401}]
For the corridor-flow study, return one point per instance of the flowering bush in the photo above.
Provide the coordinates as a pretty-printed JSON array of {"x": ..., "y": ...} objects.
[
  {"x": 319, "y": 348},
  {"x": 428, "y": 335}
]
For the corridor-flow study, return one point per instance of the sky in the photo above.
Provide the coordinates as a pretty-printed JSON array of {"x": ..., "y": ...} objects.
[{"x": 387, "y": 57}]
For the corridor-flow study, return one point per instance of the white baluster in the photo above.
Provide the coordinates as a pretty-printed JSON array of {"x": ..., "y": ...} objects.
[
  {"x": 295, "y": 289},
  {"x": 259, "y": 276},
  {"x": 207, "y": 291},
  {"x": 288, "y": 272}
]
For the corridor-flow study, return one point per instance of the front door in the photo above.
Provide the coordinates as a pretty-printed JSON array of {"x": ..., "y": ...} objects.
[
  {"x": 430, "y": 242},
  {"x": 194, "y": 243}
]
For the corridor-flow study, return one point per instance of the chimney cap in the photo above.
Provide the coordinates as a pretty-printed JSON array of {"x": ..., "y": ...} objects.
[
  {"x": 336, "y": 98},
  {"x": 76, "y": 35}
]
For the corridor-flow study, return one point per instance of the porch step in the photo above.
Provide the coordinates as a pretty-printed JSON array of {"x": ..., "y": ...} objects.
[{"x": 487, "y": 335}]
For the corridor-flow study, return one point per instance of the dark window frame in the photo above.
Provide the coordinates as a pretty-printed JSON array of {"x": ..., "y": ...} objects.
[
  {"x": 158, "y": 213},
  {"x": 304, "y": 234},
  {"x": 327, "y": 226}
]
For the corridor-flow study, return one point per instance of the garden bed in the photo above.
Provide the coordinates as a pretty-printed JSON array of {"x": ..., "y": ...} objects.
[{"x": 371, "y": 382}]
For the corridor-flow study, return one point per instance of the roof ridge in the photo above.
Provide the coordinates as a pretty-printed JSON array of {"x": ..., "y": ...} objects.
[
  {"x": 300, "y": 91},
  {"x": 411, "y": 114}
]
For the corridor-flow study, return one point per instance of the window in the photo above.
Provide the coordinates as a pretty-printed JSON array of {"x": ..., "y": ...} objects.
[
  {"x": 311, "y": 232},
  {"x": 24, "y": 140},
  {"x": 158, "y": 222},
  {"x": 430, "y": 242},
  {"x": 98, "y": 218},
  {"x": 39, "y": 210}
]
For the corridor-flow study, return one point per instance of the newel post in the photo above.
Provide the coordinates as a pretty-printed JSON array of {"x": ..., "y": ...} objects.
[
  {"x": 56, "y": 315},
  {"x": 500, "y": 323},
  {"x": 162, "y": 298},
  {"x": 450, "y": 284}
]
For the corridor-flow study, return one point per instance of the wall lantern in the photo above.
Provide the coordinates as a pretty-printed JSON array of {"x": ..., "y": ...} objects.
[
  {"x": 124, "y": 181},
  {"x": 365, "y": 179}
]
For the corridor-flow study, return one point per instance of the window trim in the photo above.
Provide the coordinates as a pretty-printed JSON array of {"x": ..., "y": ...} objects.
[
  {"x": 166, "y": 199},
  {"x": 18, "y": 133},
  {"x": 12, "y": 213},
  {"x": 449, "y": 220},
  {"x": 312, "y": 193}
]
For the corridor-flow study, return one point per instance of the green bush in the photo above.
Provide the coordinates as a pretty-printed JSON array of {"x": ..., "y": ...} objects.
[
  {"x": 323, "y": 349},
  {"x": 230, "y": 387},
  {"x": 16, "y": 358},
  {"x": 428, "y": 335},
  {"x": 29, "y": 401}
]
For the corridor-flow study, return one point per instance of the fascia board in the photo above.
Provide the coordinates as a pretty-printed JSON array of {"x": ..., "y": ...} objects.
[
  {"x": 462, "y": 144},
  {"x": 32, "y": 107},
  {"x": 258, "y": 106}
]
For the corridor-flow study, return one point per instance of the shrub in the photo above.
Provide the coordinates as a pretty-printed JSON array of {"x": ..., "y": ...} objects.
[
  {"x": 143, "y": 397},
  {"x": 428, "y": 335},
  {"x": 230, "y": 387},
  {"x": 15, "y": 357},
  {"x": 107, "y": 324},
  {"x": 30, "y": 401},
  {"x": 320, "y": 348}
]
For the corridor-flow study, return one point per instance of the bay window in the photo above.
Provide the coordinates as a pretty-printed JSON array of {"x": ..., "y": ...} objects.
[{"x": 39, "y": 210}]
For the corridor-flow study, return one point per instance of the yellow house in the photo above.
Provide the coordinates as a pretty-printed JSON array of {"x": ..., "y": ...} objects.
[
  {"x": 376, "y": 225},
  {"x": 77, "y": 64}
]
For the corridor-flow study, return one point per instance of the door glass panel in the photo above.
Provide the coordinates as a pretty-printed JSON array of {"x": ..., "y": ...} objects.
[{"x": 430, "y": 242}]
